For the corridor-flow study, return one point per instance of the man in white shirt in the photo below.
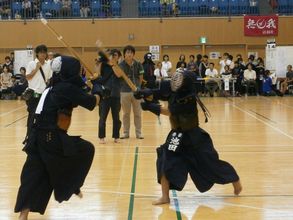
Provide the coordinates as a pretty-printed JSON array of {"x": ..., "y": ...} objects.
[
  {"x": 250, "y": 79},
  {"x": 38, "y": 75},
  {"x": 213, "y": 81}
]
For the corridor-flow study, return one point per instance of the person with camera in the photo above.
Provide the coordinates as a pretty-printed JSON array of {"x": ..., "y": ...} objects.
[
  {"x": 38, "y": 73},
  {"x": 109, "y": 77}
]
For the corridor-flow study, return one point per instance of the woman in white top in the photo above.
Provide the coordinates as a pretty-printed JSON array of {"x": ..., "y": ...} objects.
[
  {"x": 224, "y": 62},
  {"x": 166, "y": 64},
  {"x": 160, "y": 73}
]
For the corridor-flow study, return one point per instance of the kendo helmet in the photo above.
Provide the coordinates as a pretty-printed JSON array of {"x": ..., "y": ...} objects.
[
  {"x": 67, "y": 69},
  {"x": 183, "y": 80}
]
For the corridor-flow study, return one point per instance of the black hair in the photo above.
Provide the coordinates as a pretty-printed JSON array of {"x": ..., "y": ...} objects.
[
  {"x": 206, "y": 56},
  {"x": 22, "y": 68},
  {"x": 198, "y": 56},
  {"x": 191, "y": 56},
  {"x": 41, "y": 48},
  {"x": 113, "y": 51},
  {"x": 212, "y": 64},
  {"x": 128, "y": 48},
  {"x": 7, "y": 57},
  {"x": 165, "y": 56}
]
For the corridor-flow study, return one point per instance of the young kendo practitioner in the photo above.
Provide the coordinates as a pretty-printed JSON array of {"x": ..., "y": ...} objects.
[
  {"x": 188, "y": 148},
  {"x": 55, "y": 160}
]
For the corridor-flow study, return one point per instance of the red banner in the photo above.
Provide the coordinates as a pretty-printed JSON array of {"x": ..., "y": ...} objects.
[{"x": 261, "y": 25}]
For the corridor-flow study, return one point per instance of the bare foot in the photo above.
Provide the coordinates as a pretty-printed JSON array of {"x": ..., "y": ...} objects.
[
  {"x": 116, "y": 140},
  {"x": 80, "y": 195},
  {"x": 23, "y": 214},
  {"x": 237, "y": 187},
  {"x": 102, "y": 141},
  {"x": 161, "y": 201}
]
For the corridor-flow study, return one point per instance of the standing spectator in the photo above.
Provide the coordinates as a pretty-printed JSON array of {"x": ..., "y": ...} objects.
[
  {"x": 237, "y": 73},
  {"x": 213, "y": 82},
  {"x": 134, "y": 70},
  {"x": 191, "y": 66},
  {"x": 260, "y": 71},
  {"x": 224, "y": 62},
  {"x": 203, "y": 66},
  {"x": 36, "y": 8},
  {"x": 198, "y": 62},
  {"x": 7, "y": 62},
  {"x": 149, "y": 68},
  {"x": 66, "y": 8},
  {"x": 166, "y": 64},
  {"x": 84, "y": 8},
  {"x": 109, "y": 78},
  {"x": 249, "y": 78},
  {"x": 231, "y": 66},
  {"x": 160, "y": 73},
  {"x": 181, "y": 61},
  {"x": 38, "y": 74},
  {"x": 289, "y": 79},
  {"x": 26, "y": 9}
]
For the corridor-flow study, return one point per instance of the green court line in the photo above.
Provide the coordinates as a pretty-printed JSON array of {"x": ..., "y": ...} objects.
[
  {"x": 178, "y": 213},
  {"x": 131, "y": 201}
]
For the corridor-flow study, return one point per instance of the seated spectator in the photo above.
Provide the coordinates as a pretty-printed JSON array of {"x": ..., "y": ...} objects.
[
  {"x": 84, "y": 8},
  {"x": 212, "y": 81},
  {"x": 160, "y": 73},
  {"x": 250, "y": 79},
  {"x": 66, "y": 8},
  {"x": 20, "y": 82},
  {"x": 289, "y": 79},
  {"x": 6, "y": 81},
  {"x": 226, "y": 76},
  {"x": 267, "y": 84},
  {"x": 5, "y": 11}
]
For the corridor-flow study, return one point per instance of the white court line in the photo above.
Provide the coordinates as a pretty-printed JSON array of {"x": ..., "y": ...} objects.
[
  {"x": 14, "y": 110},
  {"x": 257, "y": 208},
  {"x": 264, "y": 122},
  {"x": 122, "y": 173},
  {"x": 208, "y": 197},
  {"x": 279, "y": 103}
]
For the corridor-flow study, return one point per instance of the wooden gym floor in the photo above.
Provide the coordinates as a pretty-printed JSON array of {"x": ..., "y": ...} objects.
[{"x": 255, "y": 134}]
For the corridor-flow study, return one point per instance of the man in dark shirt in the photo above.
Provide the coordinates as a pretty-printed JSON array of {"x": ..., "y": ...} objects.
[
  {"x": 110, "y": 79},
  {"x": 134, "y": 71}
]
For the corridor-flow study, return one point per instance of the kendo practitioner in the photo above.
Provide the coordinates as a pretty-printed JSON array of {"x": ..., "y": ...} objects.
[
  {"x": 188, "y": 148},
  {"x": 149, "y": 69},
  {"x": 55, "y": 160}
]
